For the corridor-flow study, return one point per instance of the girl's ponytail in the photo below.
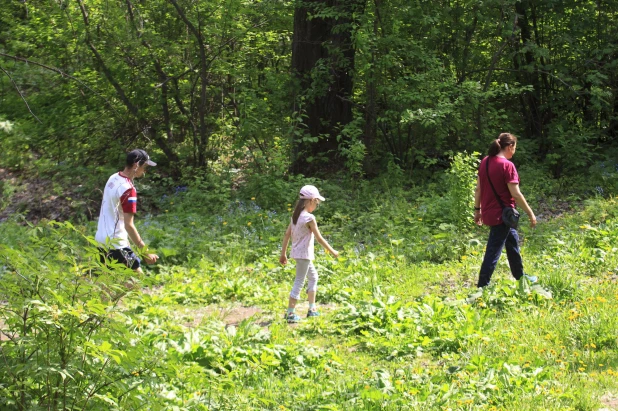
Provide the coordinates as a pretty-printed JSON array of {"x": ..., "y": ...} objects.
[
  {"x": 300, "y": 206},
  {"x": 503, "y": 141}
]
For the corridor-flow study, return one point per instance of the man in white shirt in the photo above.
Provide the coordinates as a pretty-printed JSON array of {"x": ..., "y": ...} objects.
[{"x": 116, "y": 225}]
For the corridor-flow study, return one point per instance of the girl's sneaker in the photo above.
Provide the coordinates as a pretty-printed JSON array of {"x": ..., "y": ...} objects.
[
  {"x": 313, "y": 313},
  {"x": 292, "y": 318}
]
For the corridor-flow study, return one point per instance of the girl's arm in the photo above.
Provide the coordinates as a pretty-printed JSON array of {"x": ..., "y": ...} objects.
[
  {"x": 283, "y": 259},
  {"x": 313, "y": 226}
]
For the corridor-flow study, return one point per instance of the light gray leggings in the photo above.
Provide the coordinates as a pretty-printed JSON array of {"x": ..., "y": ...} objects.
[{"x": 304, "y": 267}]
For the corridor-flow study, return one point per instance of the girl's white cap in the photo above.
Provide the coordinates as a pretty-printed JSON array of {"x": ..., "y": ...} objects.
[{"x": 309, "y": 193}]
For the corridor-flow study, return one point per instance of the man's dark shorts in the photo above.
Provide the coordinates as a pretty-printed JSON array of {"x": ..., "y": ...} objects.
[{"x": 124, "y": 256}]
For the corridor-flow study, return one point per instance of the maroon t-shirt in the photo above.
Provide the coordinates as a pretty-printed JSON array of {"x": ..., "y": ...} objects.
[{"x": 502, "y": 172}]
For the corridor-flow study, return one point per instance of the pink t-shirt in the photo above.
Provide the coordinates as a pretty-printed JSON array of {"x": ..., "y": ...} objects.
[
  {"x": 502, "y": 172},
  {"x": 302, "y": 237}
]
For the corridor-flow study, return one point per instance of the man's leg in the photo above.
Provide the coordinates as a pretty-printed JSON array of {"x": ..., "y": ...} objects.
[{"x": 497, "y": 237}]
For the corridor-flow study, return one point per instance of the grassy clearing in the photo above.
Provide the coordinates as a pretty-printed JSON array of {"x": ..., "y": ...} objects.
[{"x": 206, "y": 329}]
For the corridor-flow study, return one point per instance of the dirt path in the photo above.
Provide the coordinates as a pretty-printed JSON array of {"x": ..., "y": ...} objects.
[{"x": 609, "y": 402}]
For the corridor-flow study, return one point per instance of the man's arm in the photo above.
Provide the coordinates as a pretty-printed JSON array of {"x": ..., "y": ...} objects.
[
  {"x": 521, "y": 201},
  {"x": 129, "y": 225}
]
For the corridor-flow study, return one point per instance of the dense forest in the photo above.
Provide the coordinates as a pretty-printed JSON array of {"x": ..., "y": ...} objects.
[{"x": 307, "y": 86}]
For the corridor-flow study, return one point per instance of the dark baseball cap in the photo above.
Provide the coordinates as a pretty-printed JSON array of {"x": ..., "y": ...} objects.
[{"x": 139, "y": 156}]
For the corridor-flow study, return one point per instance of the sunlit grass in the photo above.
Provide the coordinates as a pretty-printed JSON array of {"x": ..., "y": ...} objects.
[{"x": 396, "y": 330}]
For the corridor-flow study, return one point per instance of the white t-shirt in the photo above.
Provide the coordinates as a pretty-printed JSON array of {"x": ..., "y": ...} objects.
[
  {"x": 119, "y": 197},
  {"x": 302, "y": 237}
]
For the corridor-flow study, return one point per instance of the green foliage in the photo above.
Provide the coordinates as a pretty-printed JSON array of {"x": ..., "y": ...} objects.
[
  {"x": 398, "y": 328},
  {"x": 66, "y": 342},
  {"x": 460, "y": 185},
  {"x": 210, "y": 84}
]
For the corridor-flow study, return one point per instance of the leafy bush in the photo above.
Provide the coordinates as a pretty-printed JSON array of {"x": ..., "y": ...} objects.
[
  {"x": 460, "y": 184},
  {"x": 67, "y": 344}
]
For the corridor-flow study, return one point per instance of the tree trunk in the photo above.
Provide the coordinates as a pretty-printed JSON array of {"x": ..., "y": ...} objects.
[{"x": 323, "y": 60}]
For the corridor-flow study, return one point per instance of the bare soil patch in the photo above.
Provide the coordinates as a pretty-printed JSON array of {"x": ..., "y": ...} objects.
[
  {"x": 610, "y": 401},
  {"x": 35, "y": 198},
  {"x": 228, "y": 315}
]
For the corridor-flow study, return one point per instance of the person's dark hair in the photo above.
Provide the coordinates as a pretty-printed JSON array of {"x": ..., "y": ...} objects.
[
  {"x": 138, "y": 156},
  {"x": 300, "y": 206},
  {"x": 503, "y": 141}
]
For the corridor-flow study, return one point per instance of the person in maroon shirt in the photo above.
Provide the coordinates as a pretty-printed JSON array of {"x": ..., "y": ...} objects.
[{"x": 488, "y": 211}]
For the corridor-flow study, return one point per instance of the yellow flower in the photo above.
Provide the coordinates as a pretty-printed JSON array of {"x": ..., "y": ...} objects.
[
  {"x": 225, "y": 223},
  {"x": 463, "y": 257},
  {"x": 249, "y": 223},
  {"x": 166, "y": 211},
  {"x": 252, "y": 198}
]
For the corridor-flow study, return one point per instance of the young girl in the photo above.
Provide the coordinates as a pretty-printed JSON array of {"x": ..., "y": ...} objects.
[{"x": 302, "y": 229}]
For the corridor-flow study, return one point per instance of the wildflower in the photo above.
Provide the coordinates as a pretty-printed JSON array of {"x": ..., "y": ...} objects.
[
  {"x": 225, "y": 223},
  {"x": 252, "y": 198},
  {"x": 166, "y": 211},
  {"x": 463, "y": 257},
  {"x": 249, "y": 224}
]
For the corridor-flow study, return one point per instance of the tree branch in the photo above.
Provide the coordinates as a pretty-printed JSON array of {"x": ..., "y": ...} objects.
[
  {"x": 20, "y": 94},
  {"x": 106, "y": 72},
  {"x": 62, "y": 73}
]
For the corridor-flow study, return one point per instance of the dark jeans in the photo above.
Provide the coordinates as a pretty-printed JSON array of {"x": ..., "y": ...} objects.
[{"x": 499, "y": 237}]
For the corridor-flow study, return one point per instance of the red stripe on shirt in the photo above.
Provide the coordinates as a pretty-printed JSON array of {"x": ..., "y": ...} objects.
[{"x": 129, "y": 206}]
